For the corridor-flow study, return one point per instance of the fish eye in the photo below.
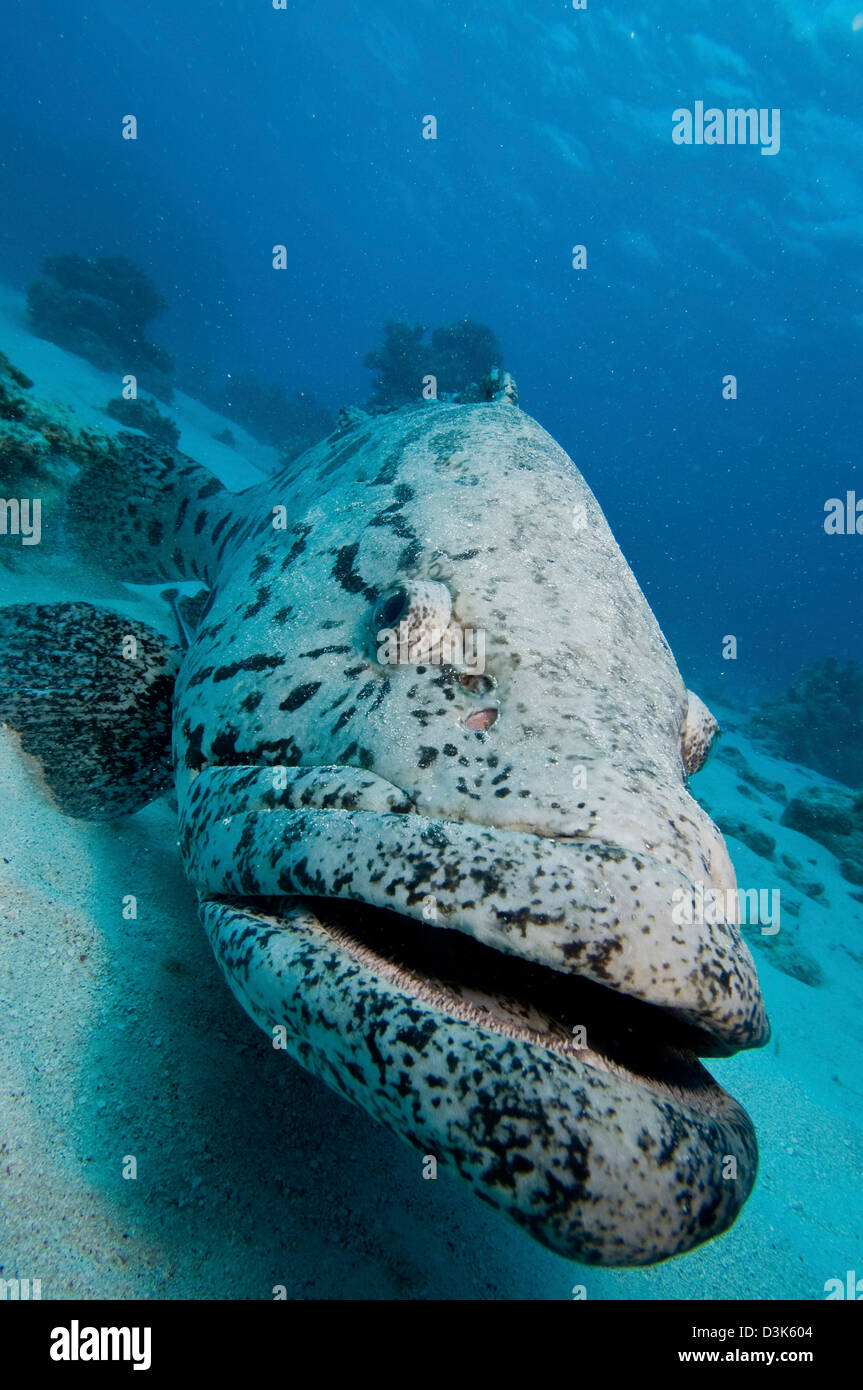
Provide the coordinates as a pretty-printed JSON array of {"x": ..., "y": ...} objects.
[{"x": 390, "y": 607}]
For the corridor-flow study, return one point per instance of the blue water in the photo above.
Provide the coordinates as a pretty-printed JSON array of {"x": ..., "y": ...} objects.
[{"x": 304, "y": 127}]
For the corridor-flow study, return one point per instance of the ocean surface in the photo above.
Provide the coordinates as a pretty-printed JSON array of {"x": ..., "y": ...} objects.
[{"x": 701, "y": 365}]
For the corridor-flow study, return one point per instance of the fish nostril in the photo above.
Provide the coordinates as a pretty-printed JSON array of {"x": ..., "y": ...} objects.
[
  {"x": 477, "y": 684},
  {"x": 481, "y": 719}
]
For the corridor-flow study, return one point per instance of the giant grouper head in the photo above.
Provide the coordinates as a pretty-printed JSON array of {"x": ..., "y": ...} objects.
[{"x": 432, "y": 756}]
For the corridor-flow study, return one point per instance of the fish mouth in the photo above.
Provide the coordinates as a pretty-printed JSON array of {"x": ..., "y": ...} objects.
[
  {"x": 567, "y": 1014},
  {"x": 576, "y": 1104},
  {"x": 579, "y": 906},
  {"x": 621, "y": 1152}
]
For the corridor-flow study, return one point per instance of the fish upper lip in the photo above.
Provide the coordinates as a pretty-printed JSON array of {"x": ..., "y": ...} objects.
[{"x": 577, "y": 905}]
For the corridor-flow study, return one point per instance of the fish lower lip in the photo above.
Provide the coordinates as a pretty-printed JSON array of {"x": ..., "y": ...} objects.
[{"x": 615, "y": 1154}]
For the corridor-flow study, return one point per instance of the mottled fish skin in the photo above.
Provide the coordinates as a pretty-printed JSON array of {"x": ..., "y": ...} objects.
[
  {"x": 540, "y": 807},
  {"x": 594, "y": 1165},
  {"x": 108, "y": 754}
]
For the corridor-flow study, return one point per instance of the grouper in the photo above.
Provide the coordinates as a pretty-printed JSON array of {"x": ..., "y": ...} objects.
[{"x": 431, "y": 756}]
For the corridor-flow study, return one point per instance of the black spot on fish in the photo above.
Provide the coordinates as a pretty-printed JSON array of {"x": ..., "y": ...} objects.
[
  {"x": 427, "y": 756},
  {"x": 154, "y": 532},
  {"x": 194, "y": 758},
  {"x": 345, "y": 572},
  {"x": 201, "y": 675},
  {"x": 461, "y": 786},
  {"x": 444, "y": 445},
  {"x": 383, "y": 691},
  {"x": 200, "y": 522},
  {"x": 392, "y": 517},
  {"x": 261, "y": 565},
  {"x": 229, "y": 536},
  {"x": 224, "y": 748},
  {"x": 322, "y": 651},
  {"x": 209, "y": 489},
  {"x": 410, "y": 555},
  {"x": 389, "y": 472},
  {"x": 435, "y": 836},
  {"x": 262, "y": 598},
  {"x": 300, "y": 696},
  {"x": 302, "y": 531},
  {"x": 347, "y": 451},
  {"x": 259, "y": 662},
  {"x": 251, "y": 702}
]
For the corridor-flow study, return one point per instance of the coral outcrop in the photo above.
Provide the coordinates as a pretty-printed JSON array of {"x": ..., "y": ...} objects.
[
  {"x": 818, "y": 721},
  {"x": 833, "y": 817},
  {"x": 42, "y": 446},
  {"x": 460, "y": 356},
  {"x": 143, "y": 415},
  {"x": 40, "y": 441},
  {"x": 757, "y": 840},
  {"x": 13, "y": 384},
  {"x": 99, "y": 309}
]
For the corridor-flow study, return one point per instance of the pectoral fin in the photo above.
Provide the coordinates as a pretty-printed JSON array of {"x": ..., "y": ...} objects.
[{"x": 89, "y": 694}]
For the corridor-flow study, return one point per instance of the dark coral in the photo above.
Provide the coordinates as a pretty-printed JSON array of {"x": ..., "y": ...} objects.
[
  {"x": 757, "y": 840},
  {"x": 833, "y": 817},
  {"x": 99, "y": 309},
  {"x": 13, "y": 382},
  {"x": 459, "y": 356},
  {"x": 463, "y": 354},
  {"x": 785, "y": 952},
  {"x": 42, "y": 445},
  {"x": 400, "y": 365},
  {"x": 143, "y": 415},
  {"x": 819, "y": 721}
]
